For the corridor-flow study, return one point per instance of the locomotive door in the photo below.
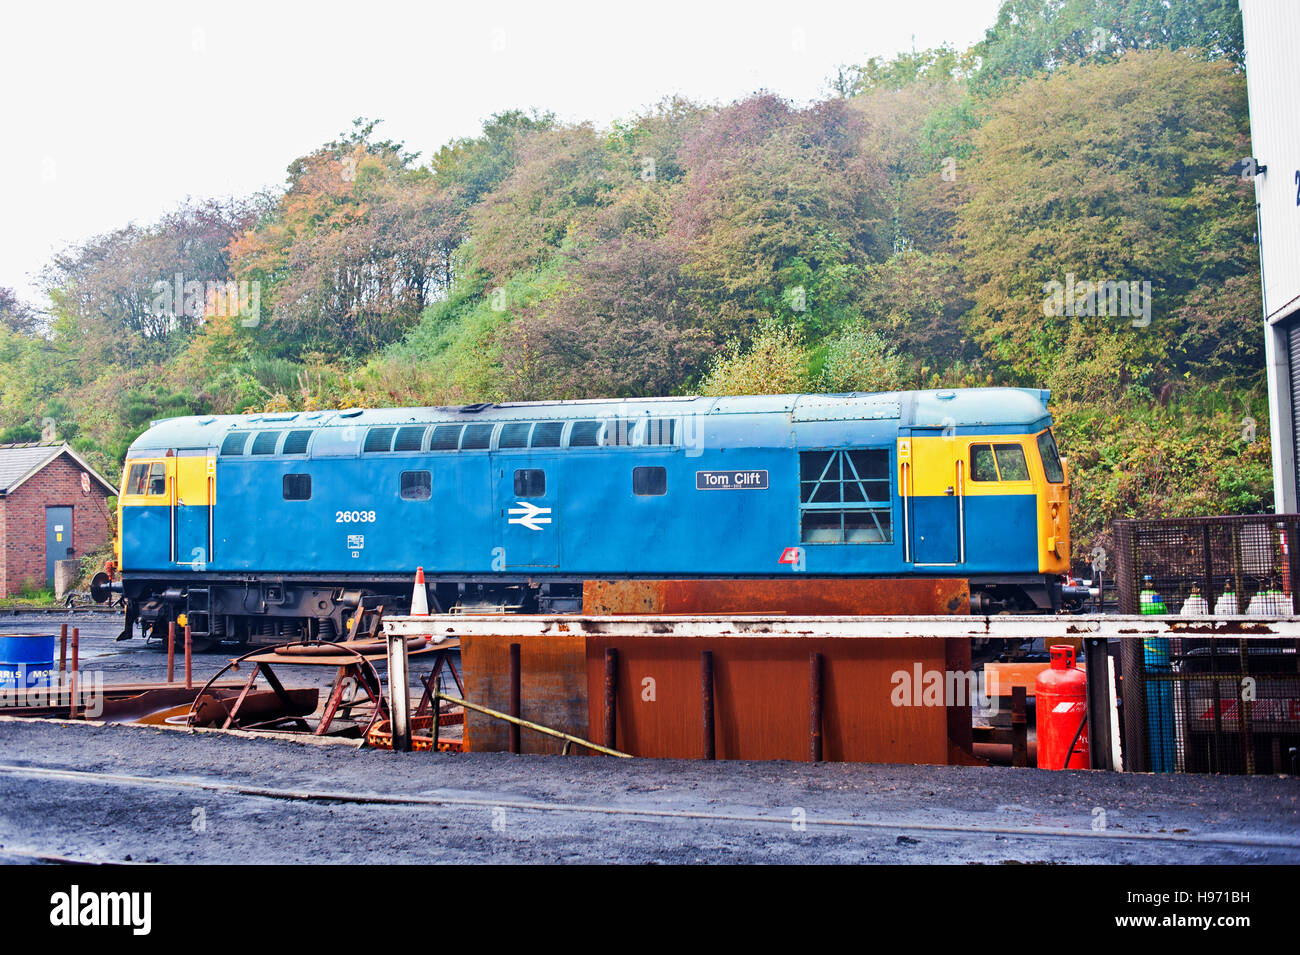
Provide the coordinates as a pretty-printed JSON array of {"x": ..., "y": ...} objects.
[
  {"x": 192, "y": 495},
  {"x": 936, "y": 499},
  {"x": 527, "y": 498}
]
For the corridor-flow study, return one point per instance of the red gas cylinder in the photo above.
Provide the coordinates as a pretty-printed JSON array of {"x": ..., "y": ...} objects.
[{"x": 1061, "y": 705}]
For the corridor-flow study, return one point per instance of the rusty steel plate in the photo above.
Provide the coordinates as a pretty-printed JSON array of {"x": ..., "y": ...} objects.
[{"x": 795, "y": 596}]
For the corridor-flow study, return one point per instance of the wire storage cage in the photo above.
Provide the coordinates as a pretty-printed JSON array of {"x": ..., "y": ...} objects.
[
  {"x": 1228, "y": 704},
  {"x": 1209, "y": 566},
  {"x": 1211, "y": 705}
]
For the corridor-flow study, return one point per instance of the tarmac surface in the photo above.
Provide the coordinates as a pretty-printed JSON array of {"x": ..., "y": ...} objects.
[{"x": 114, "y": 794}]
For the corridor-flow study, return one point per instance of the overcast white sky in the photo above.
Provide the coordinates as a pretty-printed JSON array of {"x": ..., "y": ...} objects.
[{"x": 118, "y": 112}]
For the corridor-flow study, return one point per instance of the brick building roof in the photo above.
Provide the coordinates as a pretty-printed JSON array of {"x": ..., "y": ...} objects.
[{"x": 18, "y": 462}]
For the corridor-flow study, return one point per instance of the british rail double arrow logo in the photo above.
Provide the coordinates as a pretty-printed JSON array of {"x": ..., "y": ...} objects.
[{"x": 530, "y": 515}]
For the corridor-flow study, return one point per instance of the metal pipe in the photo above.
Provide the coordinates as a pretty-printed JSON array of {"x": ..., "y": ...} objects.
[
  {"x": 907, "y": 537},
  {"x": 706, "y": 695},
  {"x": 1019, "y": 727},
  {"x": 399, "y": 692},
  {"x": 815, "y": 706},
  {"x": 1096, "y": 657},
  {"x": 1001, "y": 753},
  {"x": 611, "y": 697},
  {"x": 536, "y": 727},
  {"x": 515, "y": 705},
  {"x": 961, "y": 511},
  {"x": 171, "y": 502},
  {"x": 437, "y": 709},
  {"x": 76, "y": 667},
  {"x": 189, "y": 649},
  {"x": 63, "y": 648},
  {"x": 171, "y": 650},
  {"x": 212, "y": 500}
]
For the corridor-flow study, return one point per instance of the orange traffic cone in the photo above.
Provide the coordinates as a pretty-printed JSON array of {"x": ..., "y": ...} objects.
[{"x": 419, "y": 596}]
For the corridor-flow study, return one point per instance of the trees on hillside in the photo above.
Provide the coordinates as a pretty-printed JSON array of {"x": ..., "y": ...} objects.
[
  {"x": 944, "y": 221},
  {"x": 1039, "y": 36},
  {"x": 1093, "y": 179}
]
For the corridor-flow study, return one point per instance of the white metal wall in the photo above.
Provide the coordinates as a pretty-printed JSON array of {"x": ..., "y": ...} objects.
[{"x": 1272, "y": 34}]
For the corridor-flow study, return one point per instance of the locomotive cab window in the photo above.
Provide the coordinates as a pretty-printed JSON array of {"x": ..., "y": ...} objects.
[
  {"x": 416, "y": 485},
  {"x": 846, "y": 497},
  {"x": 998, "y": 462},
  {"x": 296, "y": 487},
  {"x": 982, "y": 465},
  {"x": 1051, "y": 458},
  {"x": 530, "y": 482},
  {"x": 147, "y": 479},
  {"x": 649, "y": 481},
  {"x": 1011, "y": 462},
  {"x": 157, "y": 480}
]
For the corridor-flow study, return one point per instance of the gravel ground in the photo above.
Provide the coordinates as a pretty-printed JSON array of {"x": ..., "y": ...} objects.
[{"x": 117, "y": 793}]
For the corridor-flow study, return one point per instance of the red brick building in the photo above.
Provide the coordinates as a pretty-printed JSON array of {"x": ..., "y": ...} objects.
[{"x": 53, "y": 506}]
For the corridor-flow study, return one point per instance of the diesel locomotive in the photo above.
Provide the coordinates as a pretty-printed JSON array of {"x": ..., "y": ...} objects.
[{"x": 283, "y": 525}]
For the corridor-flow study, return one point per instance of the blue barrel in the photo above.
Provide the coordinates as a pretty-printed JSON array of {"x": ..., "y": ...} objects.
[
  {"x": 26, "y": 660},
  {"x": 1162, "y": 742}
]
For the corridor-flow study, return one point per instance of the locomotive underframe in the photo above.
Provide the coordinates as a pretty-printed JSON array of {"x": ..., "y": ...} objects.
[{"x": 221, "y": 608}]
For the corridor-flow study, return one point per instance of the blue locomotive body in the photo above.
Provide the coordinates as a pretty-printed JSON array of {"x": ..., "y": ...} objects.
[{"x": 300, "y": 516}]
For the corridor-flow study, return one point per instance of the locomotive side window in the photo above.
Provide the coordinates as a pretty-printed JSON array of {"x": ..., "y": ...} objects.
[
  {"x": 530, "y": 482},
  {"x": 446, "y": 437},
  {"x": 1051, "y": 459},
  {"x": 617, "y": 433},
  {"x": 378, "y": 439},
  {"x": 297, "y": 487},
  {"x": 514, "y": 435},
  {"x": 234, "y": 443},
  {"x": 477, "y": 437},
  {"x": 296, "y": 442},
  {"x": 547, "y": 434},
  {"x": 660, "y": 431},
  {"x": 416, "y": 485},
  {"x": 583, "y": 434},
  {"x": 845, "y": 497},
  {"x": 409, "y": 438},
  {"x": 982, "y": 466},
  {"x": 265, "y": 442},
  {"x": 1011, "y": 462},
  {"x": 649, "y": 482}
]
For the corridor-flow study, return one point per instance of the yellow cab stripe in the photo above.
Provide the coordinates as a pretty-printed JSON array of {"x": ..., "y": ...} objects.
[
  {"x": 934, "y": 468},
  {"x": 927, "y": 466},
  {"x": 188, "y": 477}
]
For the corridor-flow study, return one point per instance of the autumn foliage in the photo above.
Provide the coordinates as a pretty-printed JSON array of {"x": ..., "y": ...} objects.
[{"x": 901, "y": 233}]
